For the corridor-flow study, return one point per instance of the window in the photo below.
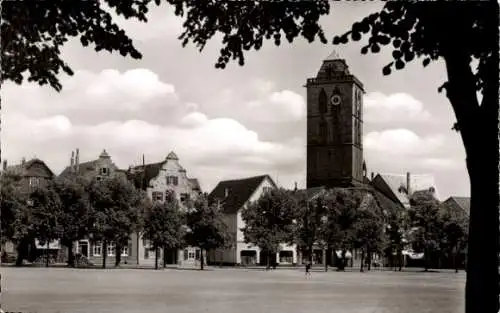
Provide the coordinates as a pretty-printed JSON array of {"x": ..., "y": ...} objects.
[
  {"x": 191, "y": 255},
  {"x": 323, "y": 131},
  {"x": 34, "y": 181},
  {"x": 184, "y": 197},
  {"x": 125, "y": 251},
  {"x": 157, "y": 196},
  {"x": 172, "y": 180},
  {"x": 186, "y": 254},
  {"x": 266, "y": 189},
  {"x": 111, "y": 249},
  {"x": 97, "y": 249},
  {"x": 98, "y": 178},
  {"x": 104, "y": 171},
  {"x": 322, "y": 101},
  {"x": 197, "y": 254}
]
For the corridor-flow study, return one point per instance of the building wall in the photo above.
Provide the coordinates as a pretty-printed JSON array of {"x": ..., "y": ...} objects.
[
  {"x": 235, "y": 223},
  {"x": 334, "y": 151},
  {"x": 159, "y": 183},
  {"x": 130, "y": 258}
]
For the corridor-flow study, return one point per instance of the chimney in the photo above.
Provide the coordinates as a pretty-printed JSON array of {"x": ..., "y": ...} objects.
[
  {"x": 226, "y": 193},
  {"x": 23, "y": 160},
  {"x": 372, "y": 175},
  {"x": 296, "y": 187},
  {"x": 72, "y": 162},
  {"x": 77, "y": 160},
  {"x": 4, "y": 165},
  {"x": 408, "y": 185}
]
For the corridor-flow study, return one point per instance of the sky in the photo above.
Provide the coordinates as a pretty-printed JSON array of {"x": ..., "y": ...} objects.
[{"x": 231, "y": 123}]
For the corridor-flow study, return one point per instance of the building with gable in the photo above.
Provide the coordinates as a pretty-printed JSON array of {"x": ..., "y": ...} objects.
[
  {"x": 34, "y": 173},
  {"x": 158, "y": 180},
  {"x": 100, "y": 168},
  {"x": 233, "y": 196}
]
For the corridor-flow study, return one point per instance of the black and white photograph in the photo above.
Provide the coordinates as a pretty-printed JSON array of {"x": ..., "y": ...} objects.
[{"x": 249, "y": 156}]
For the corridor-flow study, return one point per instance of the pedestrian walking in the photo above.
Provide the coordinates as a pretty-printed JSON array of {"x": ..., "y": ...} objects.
[{"x": 308, "y": 270}]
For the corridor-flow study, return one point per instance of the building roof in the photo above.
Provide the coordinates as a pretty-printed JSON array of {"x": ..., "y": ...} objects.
[
  {"x": 172, "y": 156},
  {"x": 462, "y": 203},
  {"x": 83, "y": 167},
  {"x": 396, "y": 184},
  {"x": 334, "y": 55},
  {"x": 23, "y": 168},
  {"x": 239, "y": 192},
  {"x": 195, "y": 184},
  {"x": 141, "y": 175}
]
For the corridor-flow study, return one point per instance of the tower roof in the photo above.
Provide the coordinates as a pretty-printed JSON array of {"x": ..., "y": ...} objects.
[
  {"x": 104, "y": 154},
  {"x": 334, "y": 55},
  {"x": 172, "y": 156}
]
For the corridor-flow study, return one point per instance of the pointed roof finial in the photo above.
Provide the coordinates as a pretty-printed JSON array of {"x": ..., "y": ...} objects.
[
  {"x": 333, "y": 56},
  {"x": 172, "y": 156},
  {"x": 104, "y": 154}
]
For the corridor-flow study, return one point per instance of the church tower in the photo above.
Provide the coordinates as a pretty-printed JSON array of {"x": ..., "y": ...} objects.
[{"x": 334, "y": 126}]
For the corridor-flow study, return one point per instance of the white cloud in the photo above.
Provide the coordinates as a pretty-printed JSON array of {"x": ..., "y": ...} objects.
[
  {"x": 109, "y": 90},
  {"x": 280, "y": 106},
  {"x": 161, "y": 21},
  {"x": 442, "y": 163},
  {"x": 401, "y": 142},
  {"x": 397, "y": 107}
]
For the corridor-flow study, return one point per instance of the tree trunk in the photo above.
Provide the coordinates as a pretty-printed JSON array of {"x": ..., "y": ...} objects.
[
  {"x": 165, "y": 256},
  {"x": 268, "y": 260},
  {"x": 71, "y": 255},
  {"x": 455, "y": 263},
  {"x": 342, "y": 261},
  {"x": 156, "y": 257},
  {"x": 400, "y": 259},
  {"x": 369, "y": 255},
  {"x": 47, "y": 255},
  {"x": 20, "y": 253},
  {"x": 478, "y": 125},
  {"x": 104, "y": 253},
  {"x": 426, "y": 259},
  {"x": 325, "y": 251},
  {"x": 362, "y": 260},
  {"x": 202, "y": 259},
  {"x": 118, "y": 255},
  {"x": 482, "y": 270}
]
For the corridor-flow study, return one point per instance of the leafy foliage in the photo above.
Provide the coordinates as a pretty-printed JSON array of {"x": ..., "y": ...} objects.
[
  {"x": 164, "y": 225},
  {"x": 369, "y": 227},
  {"x": 269, "y": 221},
  {"x": 75, "y": 216},
  {"x": 46, "y": 209},
  {"x": 13, "y": 207},
  {"x": 308, "y": 218},
  {"x": 426, "y": 224},
  {"x": 206, "y": 228},
  {"x": 116, "y": 211},
  {"x": 32, "y": 35}
]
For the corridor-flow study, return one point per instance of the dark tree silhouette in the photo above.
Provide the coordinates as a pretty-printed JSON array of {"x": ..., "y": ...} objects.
[{"x": 451, "y": 30}]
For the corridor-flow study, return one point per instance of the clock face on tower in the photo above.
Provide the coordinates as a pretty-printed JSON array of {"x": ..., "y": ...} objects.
[{"x": 335, "y": 100}]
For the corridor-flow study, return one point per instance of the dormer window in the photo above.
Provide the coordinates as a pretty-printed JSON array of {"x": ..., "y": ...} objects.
[{"x": 172, "y": 180}]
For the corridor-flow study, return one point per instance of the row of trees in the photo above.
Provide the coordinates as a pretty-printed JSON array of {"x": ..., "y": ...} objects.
[
  {"x": 347, "y": 219},
  {"x": 106, "y": 211}
]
